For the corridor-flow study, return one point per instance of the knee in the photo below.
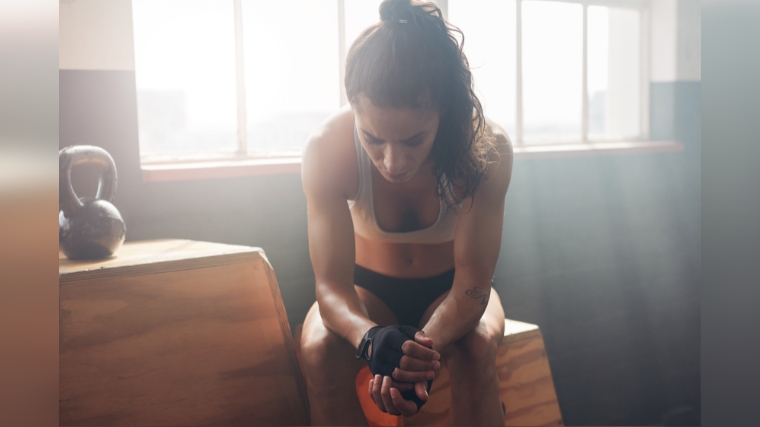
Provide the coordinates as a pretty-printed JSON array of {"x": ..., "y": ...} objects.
[
  {"x": 476, "y": 350},
  {"x": 320, "y": 347}
]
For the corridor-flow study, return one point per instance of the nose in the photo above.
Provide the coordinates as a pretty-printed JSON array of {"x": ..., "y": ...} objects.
[{"x": 393, "y": 159}]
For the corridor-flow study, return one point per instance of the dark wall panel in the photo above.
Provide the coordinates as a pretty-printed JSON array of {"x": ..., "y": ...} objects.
[{"x": 603, "y": 253}]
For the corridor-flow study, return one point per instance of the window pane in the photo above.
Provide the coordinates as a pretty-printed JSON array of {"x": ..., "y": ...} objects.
[
  {"x": 291, "y": 70},
  {"x": 614, "y": 53},
  {"x": 552, "y": 35},
  {"x": 185, "y": 76},
  {"x": 598, "y": 46},
  {"x": 489, "y": 33},
  {"x": 359, "y": 14}
]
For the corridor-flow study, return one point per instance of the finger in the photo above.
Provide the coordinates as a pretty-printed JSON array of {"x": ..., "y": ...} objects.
[
  {"x": 423, "y": 339},
  {"x": 385, "y": 392},
  {"x": 402, "y": 386},
  {"x": 376, "y": 383},
  {"x": 370, "y": 387},
  {"x": 406, "y": 407},
  {"x": 421, "y": 390},
  {"x": 411, "y": 348},
  {"x": 409, "y": 363},
  {"x": 412, "y": 376}
]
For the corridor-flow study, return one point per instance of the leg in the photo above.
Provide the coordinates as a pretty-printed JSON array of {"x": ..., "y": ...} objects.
[
  {"x": 329, "y": 365},
  {"x": 471, "y": 362}
]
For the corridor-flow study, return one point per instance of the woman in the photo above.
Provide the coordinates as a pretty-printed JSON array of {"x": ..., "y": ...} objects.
[{"x": 405, "y": 190}]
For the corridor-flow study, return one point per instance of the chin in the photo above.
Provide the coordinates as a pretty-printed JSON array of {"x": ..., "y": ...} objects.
[{"x": 398, "y": 179}]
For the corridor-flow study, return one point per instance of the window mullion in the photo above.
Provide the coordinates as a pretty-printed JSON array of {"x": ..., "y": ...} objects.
[
  {"x": 342, "y": 50},
  {"x": 240, "y": 77},
  {"x": 645, "y": 55},
  {"x": 518, "y": 75},
  {"x": 584, "y": 85}
]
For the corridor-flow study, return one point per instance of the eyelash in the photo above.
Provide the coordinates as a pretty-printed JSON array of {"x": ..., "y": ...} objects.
[{"x": 408, "y": 144}]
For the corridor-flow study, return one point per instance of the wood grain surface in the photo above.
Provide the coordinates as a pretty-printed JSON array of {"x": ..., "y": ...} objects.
[
  {"x": 526, "y": 387},
  {"x": 177, "y": 333},
  {"x": 145, "y": 257}
]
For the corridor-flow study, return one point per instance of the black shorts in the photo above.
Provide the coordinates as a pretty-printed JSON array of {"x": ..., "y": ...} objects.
[{"x": 407, "y": 298}]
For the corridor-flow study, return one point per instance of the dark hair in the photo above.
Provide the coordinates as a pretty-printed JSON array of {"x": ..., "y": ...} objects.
[{"x": 411, "y": 58}]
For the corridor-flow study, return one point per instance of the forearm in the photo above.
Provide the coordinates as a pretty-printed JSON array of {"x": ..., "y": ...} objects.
[
  {"x": 457, "y": 314},
  {"x": 343, "y": 312}
]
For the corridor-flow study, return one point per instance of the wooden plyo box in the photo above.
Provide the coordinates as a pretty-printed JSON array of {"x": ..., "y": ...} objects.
[
  {"x": 526, "y": 387},
  {"x": 176, "y": 332}
]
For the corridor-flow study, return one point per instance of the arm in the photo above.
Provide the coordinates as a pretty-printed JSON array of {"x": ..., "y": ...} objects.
[
  {"x": 476, "y": 249},
  {"x": 331, "y": 239}
]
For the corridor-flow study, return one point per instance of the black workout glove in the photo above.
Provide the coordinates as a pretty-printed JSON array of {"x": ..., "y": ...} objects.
[{"x": 384, "y": 354}]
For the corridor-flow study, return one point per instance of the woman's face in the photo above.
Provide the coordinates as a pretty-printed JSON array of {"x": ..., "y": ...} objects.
[{"x": 397, "y": 140}]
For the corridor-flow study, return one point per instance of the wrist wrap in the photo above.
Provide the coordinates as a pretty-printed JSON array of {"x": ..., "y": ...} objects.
[{"x": 385, "y": 353}]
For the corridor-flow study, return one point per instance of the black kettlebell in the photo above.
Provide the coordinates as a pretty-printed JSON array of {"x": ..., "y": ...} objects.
[{"x": 88, "y": 228}]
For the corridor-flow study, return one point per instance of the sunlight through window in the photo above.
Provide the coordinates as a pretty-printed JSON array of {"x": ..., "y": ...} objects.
[
  {"x": 489, "y": 43},
  {"x": 552, "y": 71},
  {"x": 253, "y": 78},
  {"x": 291, "y": 71},
  {"x": 185, "y": 76}
]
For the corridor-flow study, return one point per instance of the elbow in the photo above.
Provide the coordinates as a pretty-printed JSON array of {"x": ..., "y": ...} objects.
[{"x": 324, "y": 295}]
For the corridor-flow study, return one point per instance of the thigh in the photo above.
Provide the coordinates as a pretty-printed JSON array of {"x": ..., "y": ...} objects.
[
  {"x": 493, "y": 318},
  {"x": 328, "y": 362}
]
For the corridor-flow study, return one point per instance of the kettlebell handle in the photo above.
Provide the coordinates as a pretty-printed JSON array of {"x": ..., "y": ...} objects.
[{"x": 74, "y": 155}]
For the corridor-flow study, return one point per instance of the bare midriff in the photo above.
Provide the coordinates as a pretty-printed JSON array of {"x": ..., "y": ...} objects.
[{"x": 404, "y": 260}]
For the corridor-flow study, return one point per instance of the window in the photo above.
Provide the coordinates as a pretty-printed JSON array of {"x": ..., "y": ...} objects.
[
  {"x": 235, "y": 78},
  {"x": 557, "y": 71},
  {"x": 248, "y": 79}
]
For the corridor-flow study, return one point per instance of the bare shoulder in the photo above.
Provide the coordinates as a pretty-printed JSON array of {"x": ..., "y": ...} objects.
[
  {"x": 499, "y": 170},
  {"x": 501, "y": 139},
  {"x": 329, "y": 158}
]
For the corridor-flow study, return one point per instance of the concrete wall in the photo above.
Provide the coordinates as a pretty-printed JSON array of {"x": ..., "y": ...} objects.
[
  {"x": 689, "y": 36},
  {"x": 95, "y": 35},
  {"x": 676, "y": 41},
  {"x": 676, "y": 69},
  {"x": 603, "y": 253}
]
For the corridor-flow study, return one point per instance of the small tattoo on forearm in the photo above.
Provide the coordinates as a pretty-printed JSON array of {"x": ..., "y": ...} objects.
[{"x": 478, "y": 293}]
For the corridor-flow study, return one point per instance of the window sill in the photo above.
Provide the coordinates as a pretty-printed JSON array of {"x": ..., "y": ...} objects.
[
  {"x": 199, "y": 170},
  {"x": 183, "y": 171},
  {"x": 595, "y": 148}
]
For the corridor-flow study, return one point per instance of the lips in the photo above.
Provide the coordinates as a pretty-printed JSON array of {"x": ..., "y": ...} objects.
[{"x": 396, "y": 175}]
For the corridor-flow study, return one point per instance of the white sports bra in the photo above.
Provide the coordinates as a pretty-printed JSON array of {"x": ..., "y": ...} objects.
[{"x": 365, "y": 222}]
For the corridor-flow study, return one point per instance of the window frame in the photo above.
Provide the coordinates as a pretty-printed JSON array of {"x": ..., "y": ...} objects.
[
  {"x": 242, "y": 163},
  {"x": 644, "y": 53}
]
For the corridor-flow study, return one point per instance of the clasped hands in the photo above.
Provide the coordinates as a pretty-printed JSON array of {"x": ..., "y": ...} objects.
[{"x": 403, "y": 364}]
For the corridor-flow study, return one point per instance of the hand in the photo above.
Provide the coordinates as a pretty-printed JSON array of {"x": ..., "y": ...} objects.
[
  {"x": 416, "y": 365},
  {"x": 419, "y": 362},
  {"x": 388, "y": 345},
  {"x": 386, "y": 395}
]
